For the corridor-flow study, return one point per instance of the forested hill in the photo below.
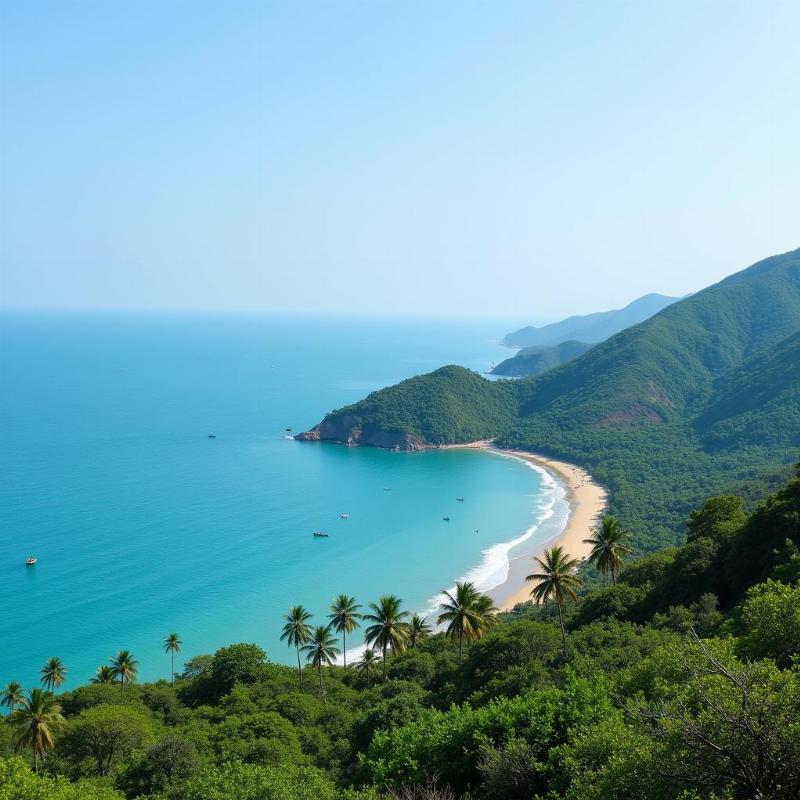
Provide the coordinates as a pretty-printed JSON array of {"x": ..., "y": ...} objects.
[
  {"x": 536, "y": 360},
  {"x": 590, "y": 328},
  {"x": 695, "y": 400}
]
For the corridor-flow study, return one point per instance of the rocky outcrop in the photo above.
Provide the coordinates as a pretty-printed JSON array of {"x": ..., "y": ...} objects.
[{"x": 350, "y": 431}]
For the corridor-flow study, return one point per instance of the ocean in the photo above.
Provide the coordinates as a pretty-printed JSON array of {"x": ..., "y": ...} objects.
[{"x": 144, "y": 525}]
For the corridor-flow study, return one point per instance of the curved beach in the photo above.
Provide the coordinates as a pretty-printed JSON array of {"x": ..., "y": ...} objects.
[{"x": 586, "y": 502}]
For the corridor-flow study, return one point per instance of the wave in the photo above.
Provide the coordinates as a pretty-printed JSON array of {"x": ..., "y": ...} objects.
[{"x": 495, "y": 564}]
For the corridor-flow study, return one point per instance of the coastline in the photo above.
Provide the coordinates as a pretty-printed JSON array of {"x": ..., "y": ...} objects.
[{"x": 586, "y": 500}]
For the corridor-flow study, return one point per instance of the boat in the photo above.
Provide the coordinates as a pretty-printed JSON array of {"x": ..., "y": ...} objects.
[
  {"x": 31, "y": 560},
  {"x": 460, "y": 499},
  {"x": 387, "y": 489},
  {"x": 344, "y": 516},
  {"x": 321, "y": 534},
  {"x": 212, "y": 435},
  {"x": 288, "y": 430},
  {"x": 446, "y": 519}
]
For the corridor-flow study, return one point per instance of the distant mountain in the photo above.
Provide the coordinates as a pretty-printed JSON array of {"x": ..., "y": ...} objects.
[
  {"x": 701, "y": 397},
  {"x": 591, "y": 328},
  {"x": 535, "y": 360}
]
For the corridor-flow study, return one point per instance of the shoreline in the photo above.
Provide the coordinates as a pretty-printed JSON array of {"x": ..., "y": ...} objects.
[{"x": 586, "y": 500}]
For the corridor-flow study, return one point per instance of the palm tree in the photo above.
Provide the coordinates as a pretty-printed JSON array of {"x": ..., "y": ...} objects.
[
  {"x": 389, "y": 628},
  {"x": 608, "y": 547},
  {"x": 172, "y": 645},
  {"x": 344, "y": 618},
  {"x": 488, "y": 611},
  {"x": 466, "y": 613},
  {"x": 321, "y": 650},
  {"x": 297, "y": 632},
  {"x": 54, "y": 673},
  {"x": 368, "y": 665},
  {"x": 104, "y": 674},
  {"x": 418, "y": 629},
  {"x": 12, "y": 696},
  {"x": 556, "y": 580},
  {"x": 125, "y": 667},
  {"x": 35, "y": 722}
]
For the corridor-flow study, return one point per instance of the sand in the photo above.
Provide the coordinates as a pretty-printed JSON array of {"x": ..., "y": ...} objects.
[{"x": 587, "y": 501}]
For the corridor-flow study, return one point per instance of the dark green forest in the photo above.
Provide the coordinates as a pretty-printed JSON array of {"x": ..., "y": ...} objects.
[
  {"x": 680, "y": 681},
  {"x": 701, "y": 398}
]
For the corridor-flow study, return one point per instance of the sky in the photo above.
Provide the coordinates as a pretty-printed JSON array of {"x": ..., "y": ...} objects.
[{"x": 457, "y": 158}]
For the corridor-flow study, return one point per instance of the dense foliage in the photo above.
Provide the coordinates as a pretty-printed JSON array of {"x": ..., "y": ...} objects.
[
  {"x": 680, "y": 682},
  {"x": 702, "y": 398}
]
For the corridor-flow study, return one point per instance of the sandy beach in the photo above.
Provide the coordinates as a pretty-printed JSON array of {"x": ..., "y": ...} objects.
[{"x": 587, "y": 501}]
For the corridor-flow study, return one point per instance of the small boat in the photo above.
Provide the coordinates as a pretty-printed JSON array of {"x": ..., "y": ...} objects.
[
  {"x": 446, "y": 519},
  {"x": 288, "y": 430},
  {"x": 460, "y": 499},
  {"x": 344, "y": 516},
  {"x": 387, "y": 489},
  {"x": 31, "y": 560},
  {"x": 321, "y": 534},
  {"x": 212, "y": 435}
]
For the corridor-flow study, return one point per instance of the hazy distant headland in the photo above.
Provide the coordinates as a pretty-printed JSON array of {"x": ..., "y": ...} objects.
[{"x": 552, "y": 345}]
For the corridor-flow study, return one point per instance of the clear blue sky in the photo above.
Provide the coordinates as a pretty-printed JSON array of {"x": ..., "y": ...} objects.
[{"x": 534, "y": 158}]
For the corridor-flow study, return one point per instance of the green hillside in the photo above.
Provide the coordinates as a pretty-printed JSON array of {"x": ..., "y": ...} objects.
[
  {"x": 535, "y": 360},
  {"x": 450, "y": 405},
  {"x": 696, "y": 399}
]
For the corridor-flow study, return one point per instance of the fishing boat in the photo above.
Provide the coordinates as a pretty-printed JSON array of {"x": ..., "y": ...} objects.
[
  {"x": 344, "y": 516},
  {"x": 460, "y": 499},
  {"x": 31, "y": 560},
  {"x": 321, "y": 534},
  {"x": 446, "y": 519}
]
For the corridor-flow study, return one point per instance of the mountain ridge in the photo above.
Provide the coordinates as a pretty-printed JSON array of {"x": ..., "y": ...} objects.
[{"x": 590, "y": 328}]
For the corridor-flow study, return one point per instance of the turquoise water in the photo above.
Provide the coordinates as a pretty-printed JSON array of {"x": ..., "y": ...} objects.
[{"x": 143, "y": 525}]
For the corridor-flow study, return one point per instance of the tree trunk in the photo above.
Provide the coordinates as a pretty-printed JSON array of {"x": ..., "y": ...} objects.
[
  {"x": 384, "y": 659},
  {"x": 172, "y": 674},
  {"x": 299, "y": 668},
  {"x": 344, "y": 647},
  {"x": 460, "y": 643},
  {"x": 561, "y": 622},
  {"x": 321, "y": 687},
  {"x": 613, "y": 575}
]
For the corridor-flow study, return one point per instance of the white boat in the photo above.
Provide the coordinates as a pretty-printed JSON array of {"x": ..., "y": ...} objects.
[
  {"x": 31, "y": 560},
  {"x": 344, "y": 516}
]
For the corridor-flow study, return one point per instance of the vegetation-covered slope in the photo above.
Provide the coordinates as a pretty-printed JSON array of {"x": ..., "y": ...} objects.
[
  {"x": 590, "y": 328},
  {"x": 535, "y": 360},
  {"x": 449, "y": 405},
  {"x": 664, "y": 413}
]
